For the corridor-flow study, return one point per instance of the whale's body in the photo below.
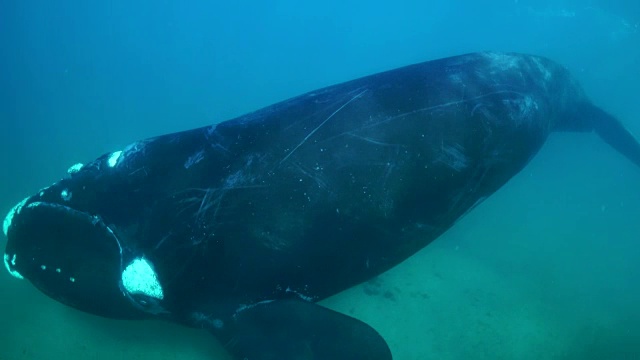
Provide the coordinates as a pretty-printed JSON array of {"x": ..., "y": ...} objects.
[{"x": 242, "y": 226}]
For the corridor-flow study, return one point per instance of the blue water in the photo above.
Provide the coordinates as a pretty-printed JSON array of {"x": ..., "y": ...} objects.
[{"x": 547, "y": 268}]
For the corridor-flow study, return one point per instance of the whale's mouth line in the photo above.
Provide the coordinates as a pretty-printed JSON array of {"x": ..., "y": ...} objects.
[
  {"x": 85, "y": 216},
  {"x": 76, "y": 214},
  {"x": 58, "y": 207}
]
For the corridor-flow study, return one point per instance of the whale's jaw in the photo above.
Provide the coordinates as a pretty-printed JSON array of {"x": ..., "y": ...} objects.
[{"x": 70, "y": 255}]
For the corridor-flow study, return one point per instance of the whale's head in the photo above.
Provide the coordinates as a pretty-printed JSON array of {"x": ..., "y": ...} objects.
[{"x": 78, "y": 240}]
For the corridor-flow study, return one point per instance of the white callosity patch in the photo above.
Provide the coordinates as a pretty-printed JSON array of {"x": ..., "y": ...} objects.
[
  {"x": 75, "y": 168},
  {"x": 15, "y": 210},
  {"x": 42, "y": 191},
  {"x": 113, "y": 158},
  {"x": 140, "y": 278},
  {"x": 34, "y": 204},
  {"x": 65, "y": 195},
  {"x": 13, "y": 273}
]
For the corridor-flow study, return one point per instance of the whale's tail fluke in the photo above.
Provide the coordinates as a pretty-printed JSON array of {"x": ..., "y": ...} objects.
[{"x": 612, "y": 131}]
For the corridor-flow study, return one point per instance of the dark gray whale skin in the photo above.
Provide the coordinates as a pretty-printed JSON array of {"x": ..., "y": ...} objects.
[{"x": 245, "y": 224}]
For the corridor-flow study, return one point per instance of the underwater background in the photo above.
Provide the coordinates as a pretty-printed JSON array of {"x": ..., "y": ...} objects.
[{"x": 546, "y": 268}]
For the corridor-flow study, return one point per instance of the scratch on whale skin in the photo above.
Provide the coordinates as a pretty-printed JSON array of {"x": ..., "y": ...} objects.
[
  {"x": 425, "y": 109},
  {"x": 321, "y": 124},
  {"x": 371, "y": 140}
]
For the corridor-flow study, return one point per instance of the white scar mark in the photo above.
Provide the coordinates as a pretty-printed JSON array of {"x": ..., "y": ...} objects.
[
  {"x": 453, "y": 157},
  {"x": 321, "y": 124},
  {"x": 209, "y": 198},
  {"x": 321, "y": 184},
  {"x": 370, "y": 140},
  {"x": 426, "y": 109},
  {"x": 436, "y": 107}
]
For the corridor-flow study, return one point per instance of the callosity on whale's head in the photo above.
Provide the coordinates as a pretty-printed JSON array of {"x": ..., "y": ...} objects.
[{"x": 79, "y": 240}]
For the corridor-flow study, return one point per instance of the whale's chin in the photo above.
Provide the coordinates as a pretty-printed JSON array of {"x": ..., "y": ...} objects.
[{"x": 70, "y": 255}]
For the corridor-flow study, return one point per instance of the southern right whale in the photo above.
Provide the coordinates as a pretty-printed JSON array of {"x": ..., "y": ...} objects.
[{"x": 240, "y": 227}]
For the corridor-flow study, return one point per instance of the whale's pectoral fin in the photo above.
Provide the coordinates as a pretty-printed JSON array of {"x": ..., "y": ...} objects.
[{"x": 295, "y": 329}]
